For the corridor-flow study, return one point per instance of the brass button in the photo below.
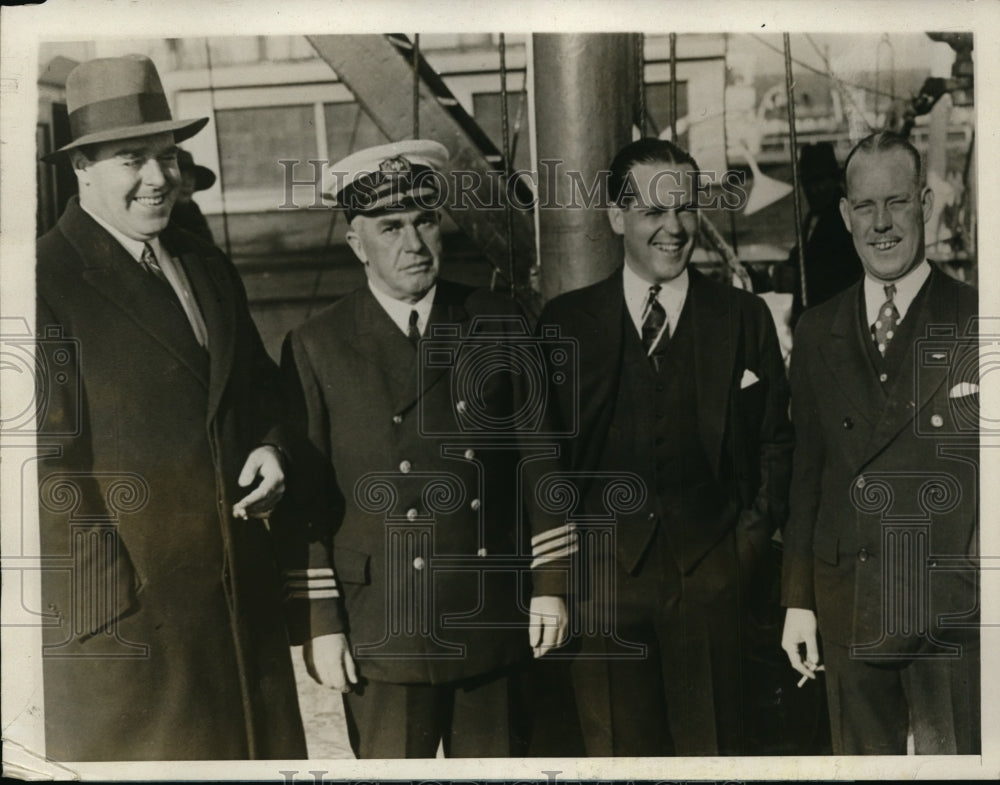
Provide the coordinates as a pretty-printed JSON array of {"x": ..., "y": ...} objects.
[
  {"x": 405, "y": 467},
  {"x": 848, "y": 423},
  {"x": 411, "y": 514},
  {"x": 418, "y": 563},
  {"x": 863, "y": 555},
  {"x": 461, "y": 406},
  {"x": 397, "y": 419},
  {"x": 481, "y": 552},
  {"x": 937, "y": 420},
  {"x": 860, "y": 483},
  {"x": 883, "y": 377},
  {"x": 470, "y": 454},
  {"x": 475, "y": 504}
]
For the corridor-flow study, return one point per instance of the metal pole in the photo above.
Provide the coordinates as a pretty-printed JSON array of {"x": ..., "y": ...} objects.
[
  {"x": 584, "y": 110},
  {"x": 416, "y": 85},
  {"x": 673, "y": 88},
  {"x": 640, "y": 67},
  {"x": 507, "y": 165},
  {"x": 793, "y": 142}
]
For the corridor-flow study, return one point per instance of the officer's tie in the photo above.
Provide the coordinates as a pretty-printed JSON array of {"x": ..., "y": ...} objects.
[
  {"x": 654, "y": 319},
  {"x": 888, "y": 318},
  {"x": 412, "y": 331}
]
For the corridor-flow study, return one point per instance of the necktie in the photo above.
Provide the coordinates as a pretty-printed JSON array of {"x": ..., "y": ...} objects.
[
  {"x": 412, "y": 331},
  {"x": 885, "y": 322},
  {"x": 652, "y": 324},
  {"x": 150, "y": 265}
]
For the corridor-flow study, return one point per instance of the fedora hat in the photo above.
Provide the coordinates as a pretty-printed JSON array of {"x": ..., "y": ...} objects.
[
  {"x": 204, "y": 178},
  {"x": 119, "y": 98}
]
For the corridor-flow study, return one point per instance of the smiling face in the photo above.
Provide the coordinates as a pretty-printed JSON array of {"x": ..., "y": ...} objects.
[
  {"x": 885, "y": 210},
  {"x": 660, "y": 225},
  {"x": 401, "y": 250},
  {"x": 131, "y": 184}
]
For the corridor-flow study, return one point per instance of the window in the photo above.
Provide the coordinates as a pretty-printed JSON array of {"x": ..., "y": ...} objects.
[{"x": 252, "y": 142}]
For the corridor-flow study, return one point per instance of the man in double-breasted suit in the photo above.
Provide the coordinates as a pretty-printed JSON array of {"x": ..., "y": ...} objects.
[
  {"x": 880, "y": 544},
  {"x": 682, "y": 397},
  {"x": 165, "y": 634},
  {"x": 405, "y": 481}
]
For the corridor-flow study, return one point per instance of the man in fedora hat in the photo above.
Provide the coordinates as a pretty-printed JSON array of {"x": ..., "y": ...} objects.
[
  {"x": 186, "y": 213},
  {"x": 165, "y": 637},
  {"x": 406, "y": 483}
]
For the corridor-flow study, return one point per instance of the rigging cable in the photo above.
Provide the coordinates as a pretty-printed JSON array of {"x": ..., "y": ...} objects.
[
  {"x": 218, "y": 149},
  {"x": 508, "y": 185},
  {"x": 793, "y": 143}
]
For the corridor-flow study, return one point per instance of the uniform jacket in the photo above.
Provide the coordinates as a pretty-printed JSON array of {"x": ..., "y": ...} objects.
[
  {"x": 870, "y": 466},
  {"x": 741, "y": 413},
  {"x": 405, "y": 488},
  {"x": 166, "y": 636}
]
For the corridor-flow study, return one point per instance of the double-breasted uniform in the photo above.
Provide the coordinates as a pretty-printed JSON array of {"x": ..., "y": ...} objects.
[
  {"x": 882, "y": 538},
  {"x": 404, "y": 489},
  {"x": 164, "y": 634}
]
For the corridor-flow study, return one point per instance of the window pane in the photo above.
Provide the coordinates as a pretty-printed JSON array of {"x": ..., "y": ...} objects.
[
  {"x": 254, "y": 140},
  {"x": 349, "y": 129},
  {"x": 658, "y": 106}
]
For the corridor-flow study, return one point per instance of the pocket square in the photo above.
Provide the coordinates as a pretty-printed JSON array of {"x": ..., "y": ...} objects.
[
  {"x": 749, "y": 377},
  {"x": 963, "y": 389}
]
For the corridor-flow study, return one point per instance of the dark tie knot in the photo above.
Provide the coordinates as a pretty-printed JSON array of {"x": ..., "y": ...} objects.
[
  {"x": 890, "y": 291},
  {"x": 413, "y": 331}
]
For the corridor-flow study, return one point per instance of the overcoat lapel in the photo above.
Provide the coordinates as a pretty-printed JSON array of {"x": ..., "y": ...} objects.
[
  {"x": 217, "y": 306},
  {"x": 716, "y": 337},
  {"x": 117, "y": 277},
  {"x": 381, "y": 343}
]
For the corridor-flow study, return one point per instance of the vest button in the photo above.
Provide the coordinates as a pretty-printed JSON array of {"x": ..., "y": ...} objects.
[
  {"x": 937, "y": 420},
  {"x": 418, "y": 563},
  {"x": 397, "y": 419},
  {"x": 411, "y": 514},
  {"x": 883, "y": 377},
  {"x": 461, "y": 406},
  {"x": 863, "y": 555},
  {"x": 470, "y": 454},
  {"x": 475, "y": 504},
  {"x": 860, "y": 483},
  {"x": 481, "y": 553},
  {"x": 405, "y": 467},
  {"x": 848, "y": 423}
]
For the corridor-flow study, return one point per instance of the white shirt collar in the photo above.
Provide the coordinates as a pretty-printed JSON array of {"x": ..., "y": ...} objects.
[
  {"x": 134, "y": 247},
  {"x": 399, "y": 311},
  {"x": 671, "y": 296},
  {"x": 906, "y": 289}
]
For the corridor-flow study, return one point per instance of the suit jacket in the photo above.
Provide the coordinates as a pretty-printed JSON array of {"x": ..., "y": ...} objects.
[
  {"x": 873, "y": 469},
  {"x": 741, "y": 412},
  {"x": 167, "y": 637},
  {"x": 407, "y": 499}
]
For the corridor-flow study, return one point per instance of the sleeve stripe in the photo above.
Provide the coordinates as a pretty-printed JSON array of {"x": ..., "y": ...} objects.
[
  {"x": 312, "y": 572},
  {"x": 558, "y": 531},
  {"x": 549, "y": 557},
  {"x": 321, "y": 594},
  {"x": 313, "y": 584},
  {"x": 553, "y": 545}
]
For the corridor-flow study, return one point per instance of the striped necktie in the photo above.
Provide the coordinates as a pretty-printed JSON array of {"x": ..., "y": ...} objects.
[{"x": 653, "y": 324}]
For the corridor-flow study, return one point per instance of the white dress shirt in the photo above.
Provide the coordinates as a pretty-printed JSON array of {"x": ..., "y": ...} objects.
[
  {"x": 671, "y": 296},
  {"x": 399, "y": 311},
  {"x": 906, "y": 289},
  {"x": 171, "y": 269}
]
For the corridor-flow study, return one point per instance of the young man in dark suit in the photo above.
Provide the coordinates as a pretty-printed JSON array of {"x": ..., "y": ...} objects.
[
  {"x": 682, "y": 398},
  {"x": 881, "y": 542},
  {"x": 410, "y": 566},
  {"x": 168, "y": 639}
]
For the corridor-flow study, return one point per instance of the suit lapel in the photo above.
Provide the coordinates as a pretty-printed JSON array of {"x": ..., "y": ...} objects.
[
  {"x": 716, "y": 337},
  {"x": 903, "y": 400},
  {"x": 117, "y": 277}
]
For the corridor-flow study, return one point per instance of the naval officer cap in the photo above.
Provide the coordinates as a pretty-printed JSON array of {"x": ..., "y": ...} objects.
[{"x": 387, "y": 176}]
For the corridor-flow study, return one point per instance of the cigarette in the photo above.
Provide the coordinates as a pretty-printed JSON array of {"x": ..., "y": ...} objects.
[{"x": 804, "y": 679}]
